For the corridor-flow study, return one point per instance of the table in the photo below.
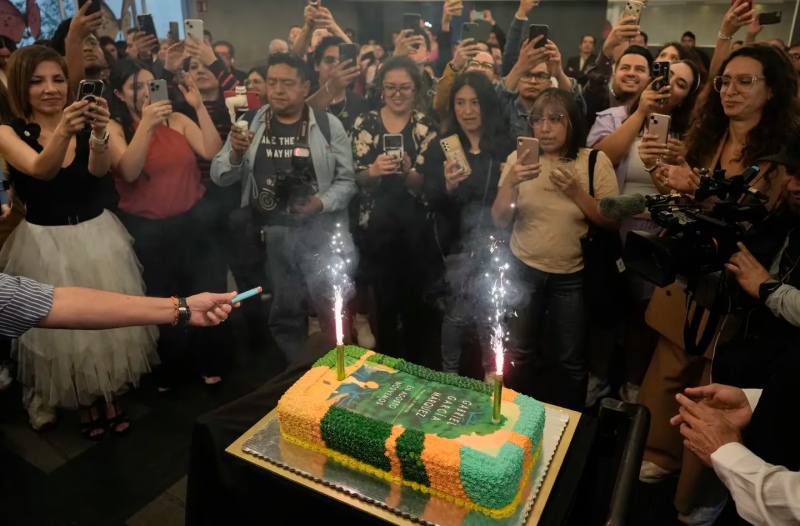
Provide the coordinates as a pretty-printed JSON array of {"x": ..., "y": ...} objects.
[{"x": 544, "y": 511}]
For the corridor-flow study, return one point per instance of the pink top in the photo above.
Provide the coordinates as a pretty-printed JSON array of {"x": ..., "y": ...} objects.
[{"x": 170, "y": 182}]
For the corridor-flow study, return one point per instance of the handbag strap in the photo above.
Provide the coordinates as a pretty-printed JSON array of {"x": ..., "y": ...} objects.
[{"x": 592, "y": 162}]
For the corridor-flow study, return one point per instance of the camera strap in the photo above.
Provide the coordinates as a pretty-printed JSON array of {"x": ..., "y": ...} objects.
[{"x": 692, "y": 327}]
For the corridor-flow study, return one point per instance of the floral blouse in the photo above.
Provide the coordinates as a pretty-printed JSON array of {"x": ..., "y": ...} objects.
[{"x": 367, "y": 136}]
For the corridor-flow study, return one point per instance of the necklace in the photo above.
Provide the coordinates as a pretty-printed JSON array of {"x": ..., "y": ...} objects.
[{"x": 344, "y": 107}]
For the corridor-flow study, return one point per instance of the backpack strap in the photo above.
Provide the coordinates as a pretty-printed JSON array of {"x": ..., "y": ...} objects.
[
  {"x": 324, "y": 124},
  {"x": 592, "y": 162}
]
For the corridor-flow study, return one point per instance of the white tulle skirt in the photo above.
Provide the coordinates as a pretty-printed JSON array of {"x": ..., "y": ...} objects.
[{"x": 68, "y": 367}]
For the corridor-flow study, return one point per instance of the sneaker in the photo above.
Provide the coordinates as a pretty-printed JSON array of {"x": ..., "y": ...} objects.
[
  {"x": 41, "y": 416},
  {"x": 364, "y": 335},
  {"x": 705, "y": 516},
  {"x": 651, "y": 473},
  {"x": 629, "y": 393},
  {"x": 313, "y": 325},
  {"x": 597, "y": 389}
]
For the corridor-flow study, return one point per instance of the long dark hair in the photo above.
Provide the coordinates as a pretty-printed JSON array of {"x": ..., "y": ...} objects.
[
  {"x": 494, "y": 136},
  {"x": 5, "y": 108},
  {"x": 780, "y": 118},
  {"x": 120, "y": 73},
  {"x": 576, "y": 125},
  {"x": 681, "y": 115},
  {"x": 21, "y": 65}
]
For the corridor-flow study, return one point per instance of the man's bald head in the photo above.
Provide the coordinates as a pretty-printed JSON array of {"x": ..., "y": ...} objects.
[{"x": 278, "y": 46}]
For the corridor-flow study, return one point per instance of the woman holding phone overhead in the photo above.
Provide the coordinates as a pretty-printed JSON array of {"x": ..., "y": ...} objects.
[
  {"x": 461, "y": 196},
  {"x": 57, "y": 151},
  {"x": 392, "y": 233},
  {"x": 549, "y": 205},
  {"x": 163, "y": 205}
]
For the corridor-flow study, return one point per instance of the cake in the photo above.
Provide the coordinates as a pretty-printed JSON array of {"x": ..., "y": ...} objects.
[{"x": 411, "y": 425}]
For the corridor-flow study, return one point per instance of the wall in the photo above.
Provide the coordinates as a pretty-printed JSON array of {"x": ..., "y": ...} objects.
[{"x": 250, "y": 24}]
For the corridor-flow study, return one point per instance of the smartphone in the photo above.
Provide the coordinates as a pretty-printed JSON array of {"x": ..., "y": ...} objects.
[
  {"x": 393, "y": 146},
  {"x": 528, "y": 143},
  {"x": 658, "y": 125},
  {"x": 769, "y": 19},
  {"x": 146, "y": 24},
  {"x": 348, "y": 52},
  {"x": 660, "y": 69},
  {"x": 94, "y": 8},
  {"x": 538, "y": 29},
  {"x": 174, "y": 31},
  {"x": 158, "y": 90},
  {"x": 89, "y": 90},
  {"x": 412, "y": 21},
  {"x": 454, "y": 152},
  {"x": 748, "y": 2},
  {"x": 477, "y": 15},
  {"x": 253, "y": 99},
  {"x": 469, "y": 30},
  {"x": 633, "y": 8},
  {"x": 194, "y": 29}
]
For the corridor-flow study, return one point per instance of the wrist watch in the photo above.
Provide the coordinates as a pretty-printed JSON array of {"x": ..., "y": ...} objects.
[
  {"x": 766, "y": 289},
  {"x": 184, "y": 313}
]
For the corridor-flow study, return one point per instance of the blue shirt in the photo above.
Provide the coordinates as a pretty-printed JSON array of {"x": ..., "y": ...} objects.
[{"x": 24, "y": 303}]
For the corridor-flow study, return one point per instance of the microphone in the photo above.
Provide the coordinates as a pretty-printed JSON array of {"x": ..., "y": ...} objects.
[{"x": 621, "y": 206}]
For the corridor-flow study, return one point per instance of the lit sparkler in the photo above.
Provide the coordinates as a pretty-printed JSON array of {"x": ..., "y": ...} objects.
[
  {"x": 499, "y": 333},
  {"x": 338, "y": 274}
]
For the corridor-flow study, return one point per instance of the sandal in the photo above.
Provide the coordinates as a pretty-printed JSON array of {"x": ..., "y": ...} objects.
[
  {"x": 92, "y": 421},
  {"x": 118, "y": 419}
]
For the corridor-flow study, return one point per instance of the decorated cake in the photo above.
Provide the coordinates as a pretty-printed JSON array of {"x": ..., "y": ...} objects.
[{"x": 411, "y": 425}]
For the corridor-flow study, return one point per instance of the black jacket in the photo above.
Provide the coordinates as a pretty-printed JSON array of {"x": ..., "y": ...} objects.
[{"x": 573, "y": 68}]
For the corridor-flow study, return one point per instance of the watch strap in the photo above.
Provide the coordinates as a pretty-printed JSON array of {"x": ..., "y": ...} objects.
[
  {"x": 184, "y": 313},
  {"x": 766, "y": 289}
]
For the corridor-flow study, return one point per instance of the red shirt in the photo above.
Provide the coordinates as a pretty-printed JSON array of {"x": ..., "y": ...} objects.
[{"x": 170, "y": 182}]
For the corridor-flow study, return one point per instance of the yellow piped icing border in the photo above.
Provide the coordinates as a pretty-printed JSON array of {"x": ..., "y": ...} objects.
[{"x": 497, "y": 513}]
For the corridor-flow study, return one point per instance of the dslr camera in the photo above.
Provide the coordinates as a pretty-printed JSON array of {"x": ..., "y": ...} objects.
[
  {"x": 297, "y": 185},
  {"x": 700, "y": 234}
]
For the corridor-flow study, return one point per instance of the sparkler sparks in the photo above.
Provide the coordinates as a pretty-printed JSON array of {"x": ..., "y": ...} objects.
[
  {"x": 337, "y": 270},
  {"x": 498, "y": 293}
]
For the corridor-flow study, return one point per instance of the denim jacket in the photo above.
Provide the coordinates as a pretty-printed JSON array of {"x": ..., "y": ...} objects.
[{"x": 333, "y": 165}]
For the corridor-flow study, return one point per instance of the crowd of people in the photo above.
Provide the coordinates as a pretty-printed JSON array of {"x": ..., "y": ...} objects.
[{"x": 130, "y": 191}]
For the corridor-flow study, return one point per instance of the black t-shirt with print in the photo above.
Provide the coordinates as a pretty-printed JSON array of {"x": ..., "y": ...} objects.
[{"x": 272, "y": 168}]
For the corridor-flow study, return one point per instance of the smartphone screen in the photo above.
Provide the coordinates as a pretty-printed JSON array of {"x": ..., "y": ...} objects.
[
  {"x": 393, "y": 141},
  {"x": 538, "y": 29}
]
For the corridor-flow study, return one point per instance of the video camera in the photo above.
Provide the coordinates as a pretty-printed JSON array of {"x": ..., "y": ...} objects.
[{"x": 699, "y": 237}]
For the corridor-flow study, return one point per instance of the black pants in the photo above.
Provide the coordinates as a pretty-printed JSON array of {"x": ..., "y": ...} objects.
[
  {"x": 179, "y": 260},
  {"x": 220, "y": 488}
]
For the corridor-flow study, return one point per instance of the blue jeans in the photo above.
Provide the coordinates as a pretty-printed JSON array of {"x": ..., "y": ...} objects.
[
  {"x": 554, "y": 301},
  {"x": 295, "y": 257}
]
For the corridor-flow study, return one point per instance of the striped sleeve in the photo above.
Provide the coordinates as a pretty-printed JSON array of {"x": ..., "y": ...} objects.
[{"x": 23, "y": 304}]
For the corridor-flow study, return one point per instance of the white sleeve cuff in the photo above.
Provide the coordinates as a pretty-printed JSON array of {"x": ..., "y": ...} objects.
[{"x": 753, "y": 396}]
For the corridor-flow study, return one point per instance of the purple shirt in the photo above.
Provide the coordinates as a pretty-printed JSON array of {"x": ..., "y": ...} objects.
[{"x": 607, "y": 123}]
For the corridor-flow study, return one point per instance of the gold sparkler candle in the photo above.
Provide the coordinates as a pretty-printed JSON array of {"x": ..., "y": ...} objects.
[{"x": 497, "y": 398}]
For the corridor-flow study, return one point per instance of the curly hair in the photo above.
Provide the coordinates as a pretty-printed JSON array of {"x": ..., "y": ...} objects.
[
  {"x": 780, "y": 117},
  {"x": 494, "y": 135}
]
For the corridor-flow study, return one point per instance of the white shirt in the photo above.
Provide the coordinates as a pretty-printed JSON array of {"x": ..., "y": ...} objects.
[{"x": 764, "y": 494}]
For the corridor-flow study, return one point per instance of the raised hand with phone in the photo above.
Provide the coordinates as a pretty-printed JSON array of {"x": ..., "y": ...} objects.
[{"x": 626, "y": 30}]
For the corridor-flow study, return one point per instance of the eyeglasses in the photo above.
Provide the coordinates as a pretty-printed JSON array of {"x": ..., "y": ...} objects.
[
  {"x": 537, "y": 121},
  {"x": 535, "y": 77},
  {"x": 742, "y": 82},
  {"x": 91, "y": 42},
  {"x": 406, "y": 88},
  {"x": 486, "y": 66}
]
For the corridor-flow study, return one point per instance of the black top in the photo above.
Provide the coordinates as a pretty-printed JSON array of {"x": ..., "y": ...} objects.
[
  {"x": 73, "y": 195},
  {"x": 348, "y": 109}
]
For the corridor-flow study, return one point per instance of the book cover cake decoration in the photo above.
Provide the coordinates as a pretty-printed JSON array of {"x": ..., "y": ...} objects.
[{"x": 425, "y": 429}]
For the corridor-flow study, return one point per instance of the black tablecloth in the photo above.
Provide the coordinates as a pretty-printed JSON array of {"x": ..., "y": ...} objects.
[{"x": 222, "y": 489}]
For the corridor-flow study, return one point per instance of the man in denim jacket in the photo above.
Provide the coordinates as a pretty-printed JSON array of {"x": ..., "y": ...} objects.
[{"x": 298, "y": 178}]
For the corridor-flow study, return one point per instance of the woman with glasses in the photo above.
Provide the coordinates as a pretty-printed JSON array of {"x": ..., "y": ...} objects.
[
  {"x": 750, "y": 111},
  {"x": 388, "y": 145},
  {"x": 462, "y": 202},
  {"x": 548, "y": 202},
  {"x": 623, "y": 135}
]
